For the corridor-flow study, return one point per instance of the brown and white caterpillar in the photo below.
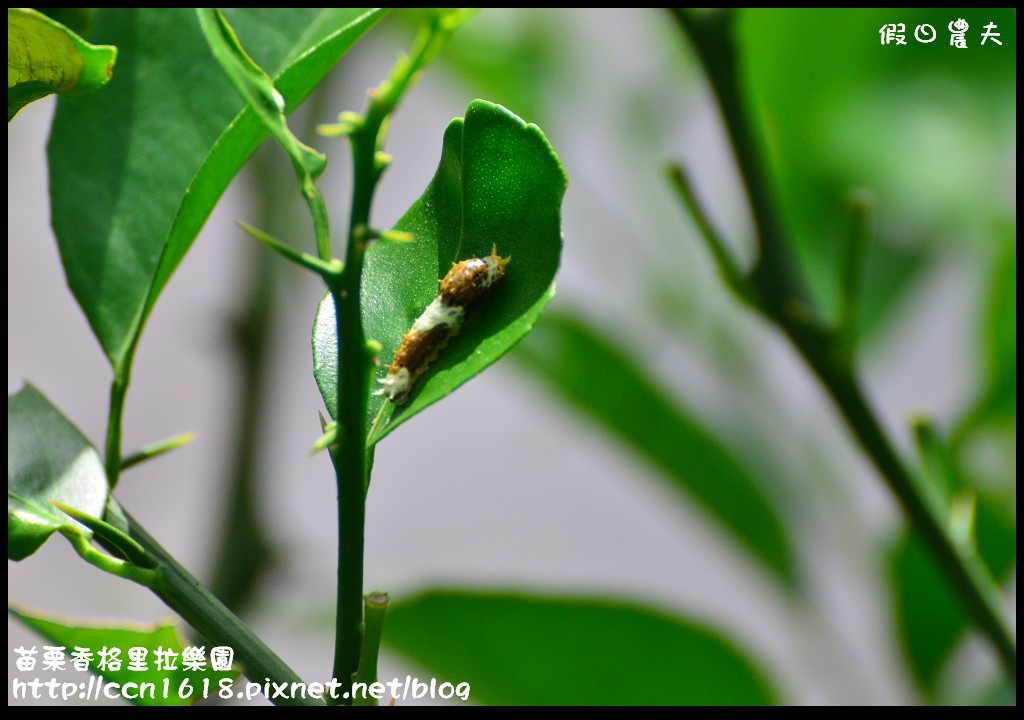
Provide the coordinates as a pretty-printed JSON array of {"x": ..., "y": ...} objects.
[{"x": 461, "y": 288}]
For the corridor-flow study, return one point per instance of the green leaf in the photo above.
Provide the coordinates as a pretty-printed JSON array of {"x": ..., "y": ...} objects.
[
  {"x": 930, "y": 618},
  {"x": 499, "y": 184},
  {"x": 115, "y": 536},
  {"x": 604, "y": 382},
  {"x": 928, "y": 614},
  {"x": 257, "y": 88},
  {"x": 47, "y": 459},
  {"x": 44, "y": 57},
  {"x": 75, "y": 19},
  {"x": 176, "y": 686},
  {"x": 523, "y": 650},
  {"x": 162, "y": 147}
]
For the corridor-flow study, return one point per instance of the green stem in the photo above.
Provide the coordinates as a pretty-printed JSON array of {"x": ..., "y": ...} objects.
[
  {"x": 727, "y": 267},
  {"x": 109, "y": 564},
  {"x": 711, "y": 32},
  {"x": 318, "y": 212},
  {"x": 853, "y": 265},
  {"x": 349, "y": 458},
  {"x": 326, "y": 268},
  {"x": 375, "y": 610},
  {"x": 118, "y": 391},
  {"x": 355, "y": 370},
  {"x": 200, "y": 609},
  {"x": 155, "y": 450},
  {"x": 355, "y": 358},
  {"x": 827, "y": 351}
]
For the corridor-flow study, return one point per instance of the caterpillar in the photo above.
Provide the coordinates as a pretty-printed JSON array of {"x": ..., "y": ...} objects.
[{"x": 464, "y": 285}]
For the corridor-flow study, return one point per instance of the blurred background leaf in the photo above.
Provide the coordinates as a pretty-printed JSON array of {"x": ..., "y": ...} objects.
[
  {"x": 930, "y": 618},
  {"x": 609, "y": 388},
  {"x": 528, "y": 650},
  {"x": 995, "y": 408},
  {"x": 75, "y": 19},
  {"x": 509, "y": 57}
]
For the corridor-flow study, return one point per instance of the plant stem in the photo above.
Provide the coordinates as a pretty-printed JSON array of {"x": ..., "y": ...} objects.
[
  {"x": 376, "y": 609},
  {"x": 155, "y": 450},
  {"x": 355, "y": 370},
  {"x": 829, "y": 351},
  {"x": 349, "y": 458},
  {"x": 711, "y": 32},
  {"x": 109, "y": 564},
  {"x": 118, "y": 391},
  {"x": 727, "y": 266},
  {"x": 969, "y": 578},
  {"x": 200, "y": 609}
]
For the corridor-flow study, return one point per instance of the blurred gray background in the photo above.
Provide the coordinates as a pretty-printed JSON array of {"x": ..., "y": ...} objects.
[{"x": 502, "y": 485}]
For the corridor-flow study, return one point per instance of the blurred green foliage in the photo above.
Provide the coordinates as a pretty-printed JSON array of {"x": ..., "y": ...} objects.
[{"x": 930, "y": 132}]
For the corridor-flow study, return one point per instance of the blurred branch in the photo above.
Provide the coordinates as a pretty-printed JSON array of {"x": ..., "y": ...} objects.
[
  {"x": 376, "y": 607},
  {"x": 727, "y": 266},
  {"x": 852, "y": 265},
  {"x": 243, "y": 551},
  {"x": 778, "y": 294},
  {"x": 711, "y": 33}
]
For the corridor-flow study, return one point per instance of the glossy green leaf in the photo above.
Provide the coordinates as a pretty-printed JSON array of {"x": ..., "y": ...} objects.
[
  {"x": 929, "y": 617},
  {"x": 606, "y": 384},
  {"x": 499, "y": 184},
  {"x": 529, "y": 650},
  {"x": 134, "y": 178},
  {"x": 44, "y": 57},
  {"x": 157, "y": 684},
  {"x": 257, "y": 88},
  {"x": 47, "y": 459}
]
